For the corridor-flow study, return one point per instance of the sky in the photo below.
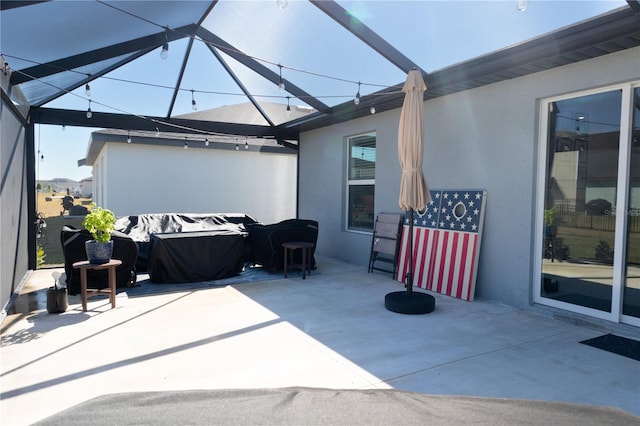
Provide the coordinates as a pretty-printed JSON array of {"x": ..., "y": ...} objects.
[{"x": 316, "y": 54}]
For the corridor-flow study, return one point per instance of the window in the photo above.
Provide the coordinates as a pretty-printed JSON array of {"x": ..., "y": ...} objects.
[{"x": 361, "y": 176}]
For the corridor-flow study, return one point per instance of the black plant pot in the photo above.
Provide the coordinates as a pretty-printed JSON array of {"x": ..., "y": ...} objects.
[
  {"x": 550, "y": 231},
  {"x": 98, "y": 252},
  {"x": 57, "y": 301}
]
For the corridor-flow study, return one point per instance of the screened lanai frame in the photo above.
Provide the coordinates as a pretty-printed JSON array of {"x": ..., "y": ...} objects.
[
  {"x": 102, "y": 54},
  {"x": 67, "y": 44},
  {"x": 59, "y": 62}
]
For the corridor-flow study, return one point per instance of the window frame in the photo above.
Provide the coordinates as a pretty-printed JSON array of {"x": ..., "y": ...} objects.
[{"x": 351, "y": 182}]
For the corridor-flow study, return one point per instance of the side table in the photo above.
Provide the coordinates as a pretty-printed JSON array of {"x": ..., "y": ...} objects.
[
  {"x": 84, "y": 265},
  {"x": 289, "y": 249}
]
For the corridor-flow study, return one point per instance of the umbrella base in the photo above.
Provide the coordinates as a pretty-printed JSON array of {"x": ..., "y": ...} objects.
[{"x": 404, "y": 302}]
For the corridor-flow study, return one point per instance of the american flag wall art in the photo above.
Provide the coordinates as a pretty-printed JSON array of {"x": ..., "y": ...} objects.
[{"x": 446, "y": 242}]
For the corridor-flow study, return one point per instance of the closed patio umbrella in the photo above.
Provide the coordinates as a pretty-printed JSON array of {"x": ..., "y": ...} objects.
[{"x": 414, "y": 192}]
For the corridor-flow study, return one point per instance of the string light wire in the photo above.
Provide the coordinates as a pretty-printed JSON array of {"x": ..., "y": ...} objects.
[
  {"x": 205, "y": 92},
  {"x": 222, "y": 137},
  {"x": 225, "y": 138},
  {"x": 143, "y": 117},
  {"x": 228, "y": 49}
]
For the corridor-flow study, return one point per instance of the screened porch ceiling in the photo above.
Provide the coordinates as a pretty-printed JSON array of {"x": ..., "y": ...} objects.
[{"x": 324, "y": 53}]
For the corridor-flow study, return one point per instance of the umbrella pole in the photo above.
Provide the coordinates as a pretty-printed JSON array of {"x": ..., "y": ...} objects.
[
  {"x": 408, "y": 302},
  {"x": 408, "y": 283}
]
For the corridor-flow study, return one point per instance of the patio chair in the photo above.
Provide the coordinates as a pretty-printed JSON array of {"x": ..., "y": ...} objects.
[{"x": 385, "y": 243}]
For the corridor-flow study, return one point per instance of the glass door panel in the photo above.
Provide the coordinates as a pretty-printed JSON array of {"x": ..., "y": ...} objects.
[
  {"x": 580, "y": 199},
  {"x": 631, "y": 294}
]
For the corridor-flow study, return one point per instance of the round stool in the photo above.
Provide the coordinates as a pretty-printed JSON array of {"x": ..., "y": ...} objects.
[{"x": 84, "y": 265}]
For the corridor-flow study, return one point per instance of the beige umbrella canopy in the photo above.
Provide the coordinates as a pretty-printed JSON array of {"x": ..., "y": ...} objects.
[{"x": 414, "y": 192}]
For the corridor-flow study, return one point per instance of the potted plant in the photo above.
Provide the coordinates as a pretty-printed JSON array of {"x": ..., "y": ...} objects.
[
  {"x": 550, "y": 226},
  {"x": 100, "y": 223}
]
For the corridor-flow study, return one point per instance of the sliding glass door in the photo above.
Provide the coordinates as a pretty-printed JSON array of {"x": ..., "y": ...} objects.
[{"x": 590, "y": 230}]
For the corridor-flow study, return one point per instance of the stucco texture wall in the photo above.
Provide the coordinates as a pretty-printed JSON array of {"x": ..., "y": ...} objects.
[{"x": 485, "y": 138}]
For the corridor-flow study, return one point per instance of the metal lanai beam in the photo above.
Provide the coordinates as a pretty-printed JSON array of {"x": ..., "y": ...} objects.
[
  {"x": 101, "y": 54},
  {"x": 262, "y": 70},
  {"x": 364, "y": 33},
  {"x": 239, "y": 83}
]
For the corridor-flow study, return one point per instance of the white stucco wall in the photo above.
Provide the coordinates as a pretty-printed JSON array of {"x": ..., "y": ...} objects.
[
  {"x": 134, "y": 179},
  {"x": 482, "y": 138}
]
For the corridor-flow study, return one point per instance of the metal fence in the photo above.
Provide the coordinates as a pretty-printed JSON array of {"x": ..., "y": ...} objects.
[{"x": 566, "y": 215}]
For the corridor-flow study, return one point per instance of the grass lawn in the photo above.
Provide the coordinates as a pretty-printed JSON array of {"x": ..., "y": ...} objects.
[{"x": 582, "y": 243}]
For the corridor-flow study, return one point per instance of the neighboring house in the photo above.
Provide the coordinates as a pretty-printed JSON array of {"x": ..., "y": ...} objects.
[
  {"x": 62, "y": 185},
  {"x": 154, "y": 173},
  {"x": 86, "y": 187}
]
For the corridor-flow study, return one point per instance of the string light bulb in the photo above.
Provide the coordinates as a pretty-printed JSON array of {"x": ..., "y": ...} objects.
[
  {"x": 246, "y": 144},
  {"x": 288, "y": 106},
  {"x": 186, "y": 144},
  {"x": 164, "y": 53},
  {"x": 579, "y": 118},
  {"x": 357, "y": 98},
  {"x": 89, "y": 113},
  {"x": 237, "y": 146},
  {"x": 281, "y": 84},
  {"x": 206, "y": 141},
  {"x": 157, "y": 132},
  {"x": 194, "y": 106},
  {"x": 87, "y": 90},
  {"x": 372, "y": 110},
  {"x": 522, "y": 5},
  {"x": 128, "y": 136}
]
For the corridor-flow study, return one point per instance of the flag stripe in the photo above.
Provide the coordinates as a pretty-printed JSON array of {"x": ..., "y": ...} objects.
[
  {"x": 428, "y": 259},
  {"x": 443, "y": 250},
  {"x": 417, "y": 252},
  {"x": 432, "y": 260},
  {"x": 420, "y": 275},
  {"x": 452, "y": 262},
  {"x": 443, "y": 246},
  {"x": 454, "y": 273},
  {"x": 402, "y": 267},
  {"x": 472, "y": 271},
  {"x": 463, "y": 261}
]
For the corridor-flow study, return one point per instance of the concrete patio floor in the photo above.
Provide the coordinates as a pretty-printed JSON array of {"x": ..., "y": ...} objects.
[{"x": 329, "y": 331}]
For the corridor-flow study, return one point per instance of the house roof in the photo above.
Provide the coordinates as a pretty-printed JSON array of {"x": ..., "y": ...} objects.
[
  {"x": 247, "y": 114},
  {"x": 242, "y": 113},
  {"x": 141, "y": 137},
  {"x": 55, "y": 48}
]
